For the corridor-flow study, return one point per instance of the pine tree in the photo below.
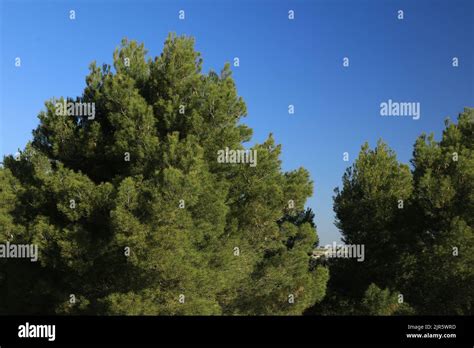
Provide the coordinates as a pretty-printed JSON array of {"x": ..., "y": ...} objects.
[
  {"x": 417, "y": 228},
  {"x": 132, "y": 212},
  {"x": 442, "y": 277}
]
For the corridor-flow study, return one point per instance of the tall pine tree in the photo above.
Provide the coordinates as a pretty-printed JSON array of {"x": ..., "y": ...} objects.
[
  {"x": 417, "y": 228},
  {"x": 132, "y": 212}
]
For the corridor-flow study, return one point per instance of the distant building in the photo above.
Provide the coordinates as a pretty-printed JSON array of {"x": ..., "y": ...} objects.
[{"x": 320, "y": 253}]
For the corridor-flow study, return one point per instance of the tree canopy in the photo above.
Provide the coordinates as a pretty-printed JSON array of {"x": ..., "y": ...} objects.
[
  {"x": 132, "y": 212},
  {"x": 416, "y": 225}
]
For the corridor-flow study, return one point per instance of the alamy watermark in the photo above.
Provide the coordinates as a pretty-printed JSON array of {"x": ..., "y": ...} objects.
[
  {"x": 23, "y": 251},
  {"x": 75, "y": 109},
  {"x": 345, "y": 251},
  {"x": 28, "y": 330},
  {"x": 237, "y": 156},
  {"x": 393, "y": 108}
]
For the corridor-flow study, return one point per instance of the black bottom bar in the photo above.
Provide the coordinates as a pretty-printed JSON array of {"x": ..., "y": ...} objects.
[{"x": 227, "y": 330}]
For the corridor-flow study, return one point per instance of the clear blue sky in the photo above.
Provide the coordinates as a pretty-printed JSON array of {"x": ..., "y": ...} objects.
[{"x": 282, "y": 62}]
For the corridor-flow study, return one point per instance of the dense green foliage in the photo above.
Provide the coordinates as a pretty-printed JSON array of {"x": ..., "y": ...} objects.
[
  {"x": 132, "y": 212},
  {"x": 417, "y": 228}
]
